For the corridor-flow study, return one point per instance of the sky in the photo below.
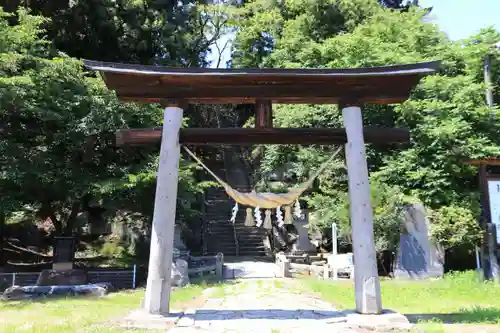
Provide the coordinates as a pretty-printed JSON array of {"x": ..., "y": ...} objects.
[
  {"x": 461, "y": 18},
  {"x": 457, "y": 18}
]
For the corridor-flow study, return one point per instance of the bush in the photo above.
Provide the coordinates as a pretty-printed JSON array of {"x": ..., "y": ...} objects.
[
  {"x": 388, "y": 212},
  {"x": 454, "y": 226}
]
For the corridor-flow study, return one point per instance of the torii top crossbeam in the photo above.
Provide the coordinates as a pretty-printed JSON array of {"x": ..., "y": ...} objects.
[{"x": 378, "y": 85}]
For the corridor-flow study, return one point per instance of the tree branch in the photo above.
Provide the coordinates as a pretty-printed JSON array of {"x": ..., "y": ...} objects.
[{"x": 23, "y": 249}]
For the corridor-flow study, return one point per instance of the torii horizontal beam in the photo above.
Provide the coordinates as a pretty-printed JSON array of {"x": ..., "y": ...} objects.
[
  {"x": 249, "y": 136},
  {"x": 484, "y": 161}
]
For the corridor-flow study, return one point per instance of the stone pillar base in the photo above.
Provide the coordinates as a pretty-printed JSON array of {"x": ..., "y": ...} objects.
[{"x": 141, "y": 319}]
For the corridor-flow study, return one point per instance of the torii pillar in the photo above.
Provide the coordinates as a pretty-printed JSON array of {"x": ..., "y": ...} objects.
[
  {"x": 366, "y": 281},
  {"x": 157, "y": 298}
]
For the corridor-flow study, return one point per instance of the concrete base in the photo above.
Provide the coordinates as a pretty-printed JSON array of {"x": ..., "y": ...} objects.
[
  {"x": 141, "y": 319},
  {"x": 388, "y": 321}
]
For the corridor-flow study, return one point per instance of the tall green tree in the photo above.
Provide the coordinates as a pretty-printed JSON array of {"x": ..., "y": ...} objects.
[
  {"x": 446, "y": 114},
  {"x": 57, "y": 128},
  {"x": 174, "y": 33}
]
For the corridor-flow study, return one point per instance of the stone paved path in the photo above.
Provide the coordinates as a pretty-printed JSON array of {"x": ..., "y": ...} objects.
[
  {"x": 263, "y": 307},
  {"x": 249, "y": 269}
]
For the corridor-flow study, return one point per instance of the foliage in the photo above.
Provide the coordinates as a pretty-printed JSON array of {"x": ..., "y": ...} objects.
[
  {"x": 388, "y": 212},
  {"x": 175, "y": 33},
  {"x": 453, "y": 226},
  {"x": 59, "y": 124},
  {"x": 446, "y": 114},
  {"x": 58, "y": 121},
  {"x": 112, "y": 249}
]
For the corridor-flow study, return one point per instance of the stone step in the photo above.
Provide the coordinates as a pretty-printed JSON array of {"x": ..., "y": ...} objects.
[
  {"x": 238, "y": 228},
  {"x": 242, "y": 252},
  {"x": 239, "y": 233},
  {"x": 231, "y": 235},
  {"x": 229, "y": 250},
  {"x": 249, "y": 238},
  {"x": 227, "y": 238},
  {"x": 232, "y": 242},
  {"x": 229, "y": 224},
  {"x": 239, "y": 225}
]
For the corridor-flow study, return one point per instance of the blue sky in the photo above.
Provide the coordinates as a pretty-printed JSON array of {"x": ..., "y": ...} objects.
[
  {"x": 457, "y": 18},
  {"x": 462, "y": 18}
]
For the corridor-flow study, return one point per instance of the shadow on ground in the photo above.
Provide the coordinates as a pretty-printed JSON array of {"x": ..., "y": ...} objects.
[
  {"x": 277, "y": 314},
  {"x": 473, "y": 315},
  {"x": 23, "y": 303}
]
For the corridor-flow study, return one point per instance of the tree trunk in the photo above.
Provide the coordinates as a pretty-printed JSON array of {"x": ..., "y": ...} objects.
[
  {"x": 70, "y": 222},
  {"x": 56, "y": 222}
]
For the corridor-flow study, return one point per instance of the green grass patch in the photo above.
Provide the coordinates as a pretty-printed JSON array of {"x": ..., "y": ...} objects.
[
  {"x": 80, "y": 314},
  {"x": 457, "y": 298},
  {"x": 279, "y": 284}
]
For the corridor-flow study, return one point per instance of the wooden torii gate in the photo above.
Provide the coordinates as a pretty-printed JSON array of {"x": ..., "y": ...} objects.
[{"x": 174, "y": 88}]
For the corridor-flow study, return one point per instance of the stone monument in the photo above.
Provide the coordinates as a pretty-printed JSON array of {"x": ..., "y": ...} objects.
[
  {"x": 64, "y": 253},
  {"x": 178, "y": 242},
  {"x": 418, "y": 257},
  {"x": 303, "y": 243}
]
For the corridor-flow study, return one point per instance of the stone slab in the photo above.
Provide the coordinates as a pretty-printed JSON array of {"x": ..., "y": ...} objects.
[
  {"x": 141, "y": 319},
  {"x": 186, "y": 320},
  {"x": 386, "y": 321}
]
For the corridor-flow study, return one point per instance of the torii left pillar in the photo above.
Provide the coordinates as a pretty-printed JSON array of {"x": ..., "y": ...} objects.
[
  {"x": 366, "y": 281},
  {"x": 157, "y": 298}
]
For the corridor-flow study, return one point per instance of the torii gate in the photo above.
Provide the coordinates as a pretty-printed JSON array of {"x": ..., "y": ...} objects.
[{"x": 174, "y": 88}]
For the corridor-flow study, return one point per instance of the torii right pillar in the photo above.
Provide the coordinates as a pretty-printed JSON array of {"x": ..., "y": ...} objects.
[{"x": 366, "y": 281}]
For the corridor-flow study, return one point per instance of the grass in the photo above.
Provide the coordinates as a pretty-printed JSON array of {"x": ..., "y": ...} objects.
[
  {"x": 80, "y": 314},
  {"x": 458, "y": 298}
]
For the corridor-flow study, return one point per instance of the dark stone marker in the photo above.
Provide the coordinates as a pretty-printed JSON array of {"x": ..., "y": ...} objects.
[{"x": 64, "y": 249}]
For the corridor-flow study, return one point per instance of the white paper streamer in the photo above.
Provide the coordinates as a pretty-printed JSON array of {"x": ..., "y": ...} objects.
[
  {"x": 279, "y": 216},
  {"x": 258, "y": 217},
  {"x": 297, "y": 211},
  {"x": 234, "y": 212}
]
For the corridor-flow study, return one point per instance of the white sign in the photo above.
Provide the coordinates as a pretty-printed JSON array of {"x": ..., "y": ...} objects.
[{"x": 494, "y": 198}]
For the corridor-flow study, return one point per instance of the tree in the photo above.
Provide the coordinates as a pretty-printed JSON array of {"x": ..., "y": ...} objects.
[
  {"x": 388, "y": 213},
  {"x": 446, "y": 113},
  {"x": 454, "y": 226},
  {"x": 174, "y": 33},
  {"x": 57, "y": 126}
]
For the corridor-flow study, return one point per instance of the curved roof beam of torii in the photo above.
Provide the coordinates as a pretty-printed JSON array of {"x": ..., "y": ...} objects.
[{"x": 152, "y": 84}]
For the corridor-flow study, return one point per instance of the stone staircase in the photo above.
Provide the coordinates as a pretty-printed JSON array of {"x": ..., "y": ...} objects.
[{"x": 222, "y": 236}]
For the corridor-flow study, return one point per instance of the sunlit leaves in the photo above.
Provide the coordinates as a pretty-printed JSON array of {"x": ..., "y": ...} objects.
[{"x": 446, "y": 114}]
